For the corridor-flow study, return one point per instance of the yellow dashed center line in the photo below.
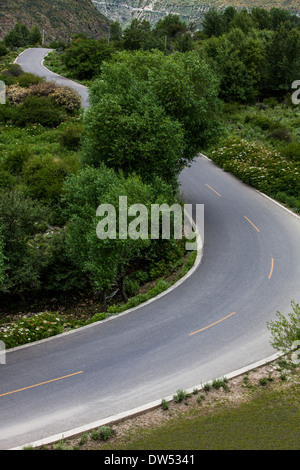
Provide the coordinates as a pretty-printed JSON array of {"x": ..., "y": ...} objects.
[
  {"x": 272, "y": 267},
  {"x": 251, "y": 223},
  {"x": 213, "y": 190},
  {"x": 209, "y": 326},
  {"x": 42, "y": 383}
]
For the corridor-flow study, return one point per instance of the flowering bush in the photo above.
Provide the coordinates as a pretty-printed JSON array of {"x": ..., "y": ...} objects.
[
  {"x": 29, "y": 328},
  {"x": 16, "y": 94},
  {"x": 63, "y": 96},
  {"x": 66, "y": 97},
  {"x": 264, "y": 169}
]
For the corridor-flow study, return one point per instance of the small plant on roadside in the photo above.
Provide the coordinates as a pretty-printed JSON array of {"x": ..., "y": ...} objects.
[
  {"x": 83, "y": 438},
  {"x": 218, "y": 383},
  {"x": 180, "y": 395},
  {"x": 263, "y": 381},
  {"x": 207, "y": 387},
  {"x": 102, "y": 433},
  {"x": 200, "y": 398},
  {"x": 164, "y": 404}
]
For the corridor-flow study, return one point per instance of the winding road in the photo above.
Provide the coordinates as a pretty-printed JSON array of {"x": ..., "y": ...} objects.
[{"x": 211, "y": 325}]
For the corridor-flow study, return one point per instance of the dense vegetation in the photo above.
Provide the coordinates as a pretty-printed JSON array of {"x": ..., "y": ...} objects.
[{"x": 159, "y": 96}]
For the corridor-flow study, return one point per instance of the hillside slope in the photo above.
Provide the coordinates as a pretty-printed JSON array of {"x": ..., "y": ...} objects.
[
  {"x": 59, "y": 18},
  {"x": 188, "y": 10}
]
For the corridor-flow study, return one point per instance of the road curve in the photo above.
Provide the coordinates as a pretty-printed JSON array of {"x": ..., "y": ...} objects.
[
  {"x": 212, "y": 324},
  {"x": 31, "y": 60}
]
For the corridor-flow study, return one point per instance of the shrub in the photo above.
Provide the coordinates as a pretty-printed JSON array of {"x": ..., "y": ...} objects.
[
  {"x": 3, "y": 50},
  {"x": 19, "y": 221},
  {"x": 7, "y": 180},
  {"x": 16, "y": 94},
  {"x": 15, "y": 159},
  {"x": 164, "y": 404},
  {"x": 281, "y": 133},
  {"x": 67, "y": 98},
  {"x": 28, "y": 79},
  {"x": 291, "y": 151},
  {"x": 218, "y": 383},
  {"x": 71, "y": 136},
  {"x": 44, "y": 175},
  {"x": 259, "y": 167},
  {"x": 43, "y": 88},
  {"x": 7, "y": 113},
  {"x": 180, "y": 395},
  {"x": 261, "y": 121},
  {"x": 12, "y": 70},
  {"x": 102, "y": 433},
  {"x": 29, "y": 328},
  {"x": 39, "y": 110}
]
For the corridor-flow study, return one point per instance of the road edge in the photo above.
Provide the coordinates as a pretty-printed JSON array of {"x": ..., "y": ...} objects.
[{"x": 138, "y": 410}]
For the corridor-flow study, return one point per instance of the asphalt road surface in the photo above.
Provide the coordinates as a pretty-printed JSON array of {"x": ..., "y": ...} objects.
[{"x": 212, "y": 324}]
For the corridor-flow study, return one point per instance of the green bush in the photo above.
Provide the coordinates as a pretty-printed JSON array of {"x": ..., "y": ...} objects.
[
  {"x": 259, "y": 167},
  {"x": 39, "y": 110},
  {"x": 28, "y": 79},
  {"x": 67, "y": 98},
  {"x": 71, "y": 136},
  {"x": 261, "y": 121},
  {"x": 7, "y": 180},
  {"x": 20, "y": 217},
  {"x": 15, "y": 159},
  {"x": 16, "y": 94},
  {"x": 3, "y": 49},
  {"x": 44, "y": 175},
  {"x": 29, "y": 328},
  {"x": 102, "y": 433},
  {"x": 12, "y": 70},
  {"x": 8, "y": 113},
  {"x": 291, "y": 151},
  {"x": 282, "y": 134}
]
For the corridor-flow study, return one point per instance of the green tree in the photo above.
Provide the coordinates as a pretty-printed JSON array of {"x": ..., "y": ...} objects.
[
  {"x": 282, "y": 60},
  {"x": 184, "y": 43},
  {"x": 239, "y": 60},
  {"x": 84, "y": 57},
  {"x": 279, "y": 16},
  {"x": 243, "y": 20},
  {"x": 116, "y": 32},
  {"x": 285, "y": 331},
  {"x": 127, "y": 128},
  {"x": 18, "y": 36},
  {"x": 261, "y": 18},
  {"x": 2, "y": 263},
  {"x": 137, "y": 34},
  {"x": 170, "y": 26},
  {"x": 35, "y": 36},
  {"x": 188, "y": 90},
  {"x": 3, "y": 49},
  {"x": 152, "y": 113},
  {"x": 20, "y": 220},
  {"x": 108, "y": 261},
  {"x": 213, "y": 23}
]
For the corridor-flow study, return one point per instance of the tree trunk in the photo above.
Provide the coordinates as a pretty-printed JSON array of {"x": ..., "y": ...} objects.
[
  {"x": 104, "y": 301},
  {"x": 123, "y": 293}
]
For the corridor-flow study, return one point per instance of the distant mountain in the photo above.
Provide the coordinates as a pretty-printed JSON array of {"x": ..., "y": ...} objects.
[
  {"x": 60, "y": 19},
  {"x": 125, "y": 11}
]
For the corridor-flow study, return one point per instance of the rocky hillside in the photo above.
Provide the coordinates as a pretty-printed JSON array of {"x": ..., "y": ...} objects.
[
  {"x": 61, "y": 19},
  {"x": 188, "y": 10}
]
